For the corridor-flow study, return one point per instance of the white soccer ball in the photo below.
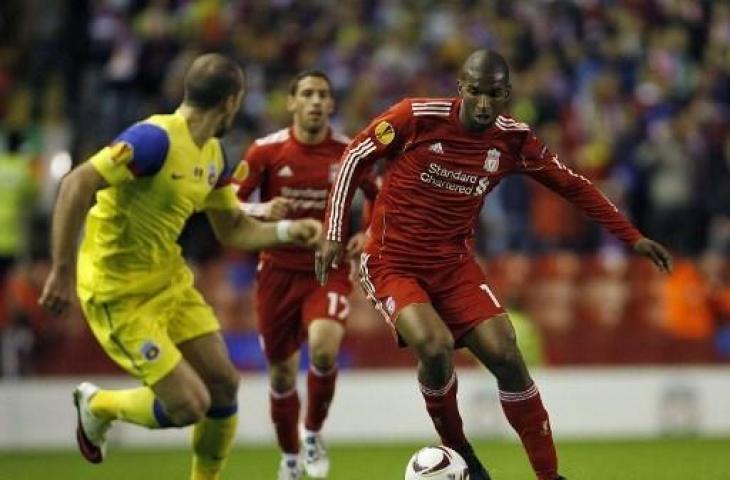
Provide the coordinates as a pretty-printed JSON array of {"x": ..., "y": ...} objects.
[{"x": 437, "y": 463}]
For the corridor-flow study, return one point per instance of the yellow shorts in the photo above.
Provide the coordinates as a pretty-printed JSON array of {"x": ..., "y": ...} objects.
[{"x": 141, "y": 332}]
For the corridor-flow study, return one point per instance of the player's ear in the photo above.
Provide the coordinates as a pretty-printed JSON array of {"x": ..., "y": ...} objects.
[{"x": 291, "y": 105}]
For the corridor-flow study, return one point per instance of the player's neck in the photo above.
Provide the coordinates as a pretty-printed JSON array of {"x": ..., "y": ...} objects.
[
  {"x": 202, "y": 124},
  {"x": 309, "y": 137}
]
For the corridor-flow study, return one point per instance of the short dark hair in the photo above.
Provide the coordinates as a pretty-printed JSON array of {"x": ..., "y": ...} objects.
[
  {"x": 312, "y": 72},
  {"x": 211, "y": 79}
]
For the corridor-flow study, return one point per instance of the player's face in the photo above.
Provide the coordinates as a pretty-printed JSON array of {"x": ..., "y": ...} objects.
[
  {"x": 485, "y": 95},
  {"x": 231, "y": 107},
  {"x": 312, "y": 103}
]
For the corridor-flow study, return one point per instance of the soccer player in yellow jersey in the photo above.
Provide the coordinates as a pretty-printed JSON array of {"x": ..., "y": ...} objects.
[{"x": 134, "y": 287}]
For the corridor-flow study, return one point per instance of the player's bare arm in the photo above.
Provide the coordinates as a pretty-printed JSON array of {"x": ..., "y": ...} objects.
[
  {"x": 236, "y": 229},
  {"x": 275, "y": 209},
  {"x": 75, "y": 198}
]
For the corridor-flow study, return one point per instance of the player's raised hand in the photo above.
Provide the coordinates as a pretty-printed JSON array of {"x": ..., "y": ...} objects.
[
  {"x": 276, "y": 209},
  {"x": 305, "y": 232},
  {"x": 355, "y": 245},
  {"x": 327, "y": 256},
  {"x": 57, "y": 292},
  {"x": 655, "y": 252}
]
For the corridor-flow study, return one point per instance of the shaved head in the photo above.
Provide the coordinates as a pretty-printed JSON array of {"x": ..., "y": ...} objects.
[
  {"x": 484, "y": 89},
  {"x": 211, "y": 79},
  {"x": 485, "y": 63}
]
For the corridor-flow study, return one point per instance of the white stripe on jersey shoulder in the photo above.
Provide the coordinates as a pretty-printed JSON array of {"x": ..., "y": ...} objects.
[
  {"x": 276, "y": 137},
  {"x": 438, "y": 108},
  {"x": 506, "y": 123},
  {"x": 340, "y": 137}
]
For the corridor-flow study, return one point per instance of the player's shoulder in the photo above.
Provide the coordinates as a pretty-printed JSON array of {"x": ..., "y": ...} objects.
[
  {"x": 431, "y": 106},
  {"x": 148, "y": 137},
  {"x": 275, "y": 138},
  {"x": 339, "y": 137},
  {"x": 507, "y": 123}
]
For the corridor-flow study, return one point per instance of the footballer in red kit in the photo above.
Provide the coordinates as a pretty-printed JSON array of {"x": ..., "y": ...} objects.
[
  {"x": 444, "y": 155},
  {"x": 294, "y": 169}
]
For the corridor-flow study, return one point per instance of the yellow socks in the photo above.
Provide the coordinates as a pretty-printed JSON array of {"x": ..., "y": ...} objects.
[
  {"x": 212, "y": 442},
  {"x": 134, "y": 405}
]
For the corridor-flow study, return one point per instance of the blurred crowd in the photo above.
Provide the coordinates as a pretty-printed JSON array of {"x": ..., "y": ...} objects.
[{"x": 634, "y": 94}]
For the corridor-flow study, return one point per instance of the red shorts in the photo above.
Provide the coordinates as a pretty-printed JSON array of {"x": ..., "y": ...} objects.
[
  {"x": 288, "y": 301},
  {"x": 458, "y": 292}
]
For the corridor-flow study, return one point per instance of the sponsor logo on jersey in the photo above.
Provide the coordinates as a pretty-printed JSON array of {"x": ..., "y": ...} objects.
[
  {"x": 454, "y": 180},
  {"x": 436, "y": 148},
  {"x": 120, "y": 153},
  {"x": 285, "y": 171},
  {"x": 491, "y": 163},
  {"x": 384, "y": 132},
  {"x": 177, "y": 176},
  {"x": 150, "y": 351},
  {"x": 198, "y": 172},
  {"x": 241, "y": 172}
]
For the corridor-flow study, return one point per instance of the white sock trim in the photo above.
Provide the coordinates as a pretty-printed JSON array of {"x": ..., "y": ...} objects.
[
  {"x": 440, "y": 392},
  {"x": 322, "y": 373},
  {"x": 281, "y": 395},
  {"x": 519, "y": 396}
]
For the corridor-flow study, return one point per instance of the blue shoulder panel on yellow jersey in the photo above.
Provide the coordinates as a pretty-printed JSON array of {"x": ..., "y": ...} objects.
[{"x": 150, "y": 145}]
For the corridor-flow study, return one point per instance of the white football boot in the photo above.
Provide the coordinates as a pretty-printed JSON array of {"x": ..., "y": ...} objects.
[
  {"x": 90, "y": 430},
  {"x": 316, "y": 460}
]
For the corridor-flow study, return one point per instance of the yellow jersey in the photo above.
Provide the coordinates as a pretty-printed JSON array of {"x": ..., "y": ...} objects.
[{"x": 158, "y": 177}]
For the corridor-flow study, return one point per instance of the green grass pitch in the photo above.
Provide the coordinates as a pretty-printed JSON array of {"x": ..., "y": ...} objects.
[{"x": 685, "y": 459}]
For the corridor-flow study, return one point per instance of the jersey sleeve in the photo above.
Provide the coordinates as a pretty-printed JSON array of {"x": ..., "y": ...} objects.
[
  {"x": 139, "y": 151},
  {"x": 223, "y": 195},
  {"x": 544, "y": 166},
  {"x": 384, "y": 137}
]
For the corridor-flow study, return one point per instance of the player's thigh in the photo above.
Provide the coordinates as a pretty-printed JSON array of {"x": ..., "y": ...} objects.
[
  {"x": 133, "y": 332},
  {"x": 421, "y": 327},
  {"x": 279, "y": 298},
  {"x": 494, "y": 343},
  {"x": 391, "y": 291},
  {"x": 325, "y": 312},
  {"x": 464, "y": 299}
]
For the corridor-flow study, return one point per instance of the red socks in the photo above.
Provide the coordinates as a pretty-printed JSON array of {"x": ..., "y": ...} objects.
[
  {"x": 285, "y": 415},
  {"x": 444, "y": 411},
  {"x": 526, "y": 414},
  {"x": 320, "y": 390}
]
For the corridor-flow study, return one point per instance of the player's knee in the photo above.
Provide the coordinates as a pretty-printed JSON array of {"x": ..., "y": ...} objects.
[
  {"x": 435, "y": 347},
  {"x": 224, "y": 387},
  {"x": 323, "y": 358},
  {"x": 282, "y": 377},
  {"x": 189, "y": 409}
]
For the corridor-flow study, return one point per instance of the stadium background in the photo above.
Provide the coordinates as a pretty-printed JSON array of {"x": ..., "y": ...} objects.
[{"x": 633, "y": 94}]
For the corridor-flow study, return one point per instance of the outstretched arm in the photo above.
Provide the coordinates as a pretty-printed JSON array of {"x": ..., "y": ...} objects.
[
  {"x": 545, "y": 166},
  {"x": 75, "y": 198},
  {"x": 236, "y": 229}
]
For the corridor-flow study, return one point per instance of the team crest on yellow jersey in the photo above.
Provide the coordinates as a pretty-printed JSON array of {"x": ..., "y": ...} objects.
[
  {"x": 384, "y": 132},
  {"x": 241, "y": 172},
  {"x": 212, "y": 174},
  {"x": 120, "y": 153}
]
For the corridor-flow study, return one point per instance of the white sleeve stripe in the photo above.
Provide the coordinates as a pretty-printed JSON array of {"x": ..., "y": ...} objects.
[
  {"x": 431, "y": 112},
  {"x": 434, "y": 107},
  {"x": 438, "y": 103},
  {"x": 340, "y": 206},
  {"x": 340, "y": 189}
]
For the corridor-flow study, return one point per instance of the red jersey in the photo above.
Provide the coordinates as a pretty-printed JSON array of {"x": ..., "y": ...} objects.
[
  {"x": 438, "y": 174},
  {"x": 282, "y": 166}
]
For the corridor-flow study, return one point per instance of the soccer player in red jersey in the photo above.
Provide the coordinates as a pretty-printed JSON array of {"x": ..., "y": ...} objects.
[
  {"x": 294, "y": 169},
  {"x": 445, "y": 155}
]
